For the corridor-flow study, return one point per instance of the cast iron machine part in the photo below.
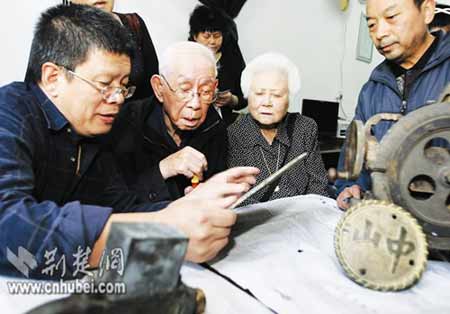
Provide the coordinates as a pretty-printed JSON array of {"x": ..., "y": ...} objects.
[
  {"x": 152, "y": 257},
  {"x": 410, "y": 172}
]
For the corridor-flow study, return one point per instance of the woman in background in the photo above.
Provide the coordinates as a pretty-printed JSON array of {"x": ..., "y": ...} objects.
[
  {"x": 213, "y": 29},
  {"x": 269, "y": 137},
  {"x": 145, "y": 60}
]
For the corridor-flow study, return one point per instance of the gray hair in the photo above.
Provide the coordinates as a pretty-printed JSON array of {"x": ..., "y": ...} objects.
[
  {"x": 179, "y": 49},
  {"x": 272, "y": 61}
]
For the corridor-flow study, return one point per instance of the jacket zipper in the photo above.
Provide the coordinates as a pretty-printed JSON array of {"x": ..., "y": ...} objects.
[{"x": 77, "y": 171}]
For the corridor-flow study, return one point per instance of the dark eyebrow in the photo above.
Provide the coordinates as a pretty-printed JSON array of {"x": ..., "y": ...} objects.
[{"x": 384, "y": 12}]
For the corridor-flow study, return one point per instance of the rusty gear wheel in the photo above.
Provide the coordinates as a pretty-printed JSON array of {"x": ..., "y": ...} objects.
[
  {"x": 381, "y": 246},
  {"x": 354, "y": 151},
  {"x": 412, "y": 167}
]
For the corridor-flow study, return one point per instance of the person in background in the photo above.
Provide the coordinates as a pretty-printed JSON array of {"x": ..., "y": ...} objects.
[
  {"x": 441, "y": 19},
  {"x": 213, "y": 29},
  {"x": 59, "y": 192},
  {"x": 268, "y": 136},
  {"x": 144, "y": 61},
  {"x": 414, "y": 73},
  {"x": 163, "y": 142}
]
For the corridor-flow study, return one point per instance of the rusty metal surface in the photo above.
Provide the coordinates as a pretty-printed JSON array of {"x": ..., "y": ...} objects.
[
  {"x": 410, "y": 171},
  {"x": 150, "y": 269},
  {"x": 445, "y": 96},
  {"x": 412, "y": 167},
  {"x": 372, "y": 145},
  {"x": 354, "y": 150},
  {"x": 381, "y": 246}
]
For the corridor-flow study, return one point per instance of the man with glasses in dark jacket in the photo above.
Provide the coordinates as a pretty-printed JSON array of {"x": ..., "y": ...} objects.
[
  {"x": 59, "y": 192},
  {"x": 415, "y": 72}
]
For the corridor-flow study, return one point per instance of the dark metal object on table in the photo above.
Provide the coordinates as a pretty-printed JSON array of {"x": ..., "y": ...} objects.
[
  {"x": 152, "y": 258},
  {"x": 410, "y": 169}
]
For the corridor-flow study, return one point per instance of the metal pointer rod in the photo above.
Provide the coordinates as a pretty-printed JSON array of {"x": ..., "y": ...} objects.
[{"x": 269, "y": 180}]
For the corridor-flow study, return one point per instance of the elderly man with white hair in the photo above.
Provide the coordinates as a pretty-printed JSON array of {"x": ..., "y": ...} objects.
[
  {"x": 269, "y": 137},
  {"x": 161, "y": 143}
]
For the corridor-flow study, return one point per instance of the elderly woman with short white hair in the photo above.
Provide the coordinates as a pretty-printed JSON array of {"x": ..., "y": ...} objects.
[{"x": 268, "y": 136}]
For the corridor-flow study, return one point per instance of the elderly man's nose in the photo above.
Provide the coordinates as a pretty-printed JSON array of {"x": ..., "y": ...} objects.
[{"x": 194, "y": 103}]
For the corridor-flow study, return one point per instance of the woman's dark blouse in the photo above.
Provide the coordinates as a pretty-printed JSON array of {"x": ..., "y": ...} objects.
[{"x": 246, "y": 147}]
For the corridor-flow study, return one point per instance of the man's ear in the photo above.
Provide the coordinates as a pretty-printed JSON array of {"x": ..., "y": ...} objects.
[
  {"x": 50, "y": 78},
  {"x": 157, "y": 86},
  {"x": 428, "y": 8}
]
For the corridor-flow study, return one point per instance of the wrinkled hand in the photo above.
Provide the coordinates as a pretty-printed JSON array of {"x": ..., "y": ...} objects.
[
  {"x": 203, "y": 215},
  {"x": 223, "y": 189},
  {"x": 349, "y": 192},
  {"x": 226, "y": 98},
  {"x": 206, "y": 226},
  {"x": 187, "y": 161}
]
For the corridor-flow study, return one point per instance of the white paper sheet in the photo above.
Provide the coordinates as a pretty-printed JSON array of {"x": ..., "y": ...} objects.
[
  {"x": 221, "y": 296},
  {"x": 282, "y": 251},
  {"x": 266, "y": 260}
]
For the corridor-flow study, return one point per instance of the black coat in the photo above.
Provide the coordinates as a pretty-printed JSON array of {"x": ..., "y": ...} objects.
[
  {"x": 144, "y": 61},
  {"x": 139, "y": 140},
  {"x": 230, "y": 68}
]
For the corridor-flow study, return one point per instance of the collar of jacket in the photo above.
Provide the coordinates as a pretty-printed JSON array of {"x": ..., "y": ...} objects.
[
  {"x": 250, "y": 130},
  {"x": 55, "y": 119},
  {"x": 155, "y": 129},
  {"x": 383, "y": 74}
]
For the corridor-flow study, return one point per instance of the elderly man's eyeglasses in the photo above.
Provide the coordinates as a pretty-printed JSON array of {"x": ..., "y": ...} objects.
[
  {"x": 206, "y": 92},
  {"x": 109, "y": 93}
]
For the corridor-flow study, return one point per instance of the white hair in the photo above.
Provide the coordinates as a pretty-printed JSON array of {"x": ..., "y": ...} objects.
[
  {"x": 272, "y": 61},
  {"x": 182, "y": 49}
]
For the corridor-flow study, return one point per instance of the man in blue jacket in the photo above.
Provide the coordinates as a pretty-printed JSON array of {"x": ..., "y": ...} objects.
[
  {"x": 416, "y": 70},
  {"x": 59, "y": 192}
]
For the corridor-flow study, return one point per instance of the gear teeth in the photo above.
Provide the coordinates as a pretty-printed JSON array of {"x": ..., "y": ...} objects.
[{"x": 406, "y": 281}]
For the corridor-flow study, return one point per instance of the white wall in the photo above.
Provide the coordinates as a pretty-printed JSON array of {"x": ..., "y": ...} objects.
[
  {"x": 17, "y": 20},
  {"x": 311, "y": 33}
]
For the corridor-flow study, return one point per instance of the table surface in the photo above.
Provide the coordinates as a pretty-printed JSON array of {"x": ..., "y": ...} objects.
[{"x": 283, "y": 252}]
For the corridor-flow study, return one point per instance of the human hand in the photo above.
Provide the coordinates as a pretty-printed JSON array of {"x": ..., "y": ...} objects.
[
  {"x": 203, "y": 215},
  {"x": 187, "y": 161},
  {"x": 353, "y": 191},
  {"x": 225, "y": 98},
  {"x": 206, "y": 226},
  {"x": 226, "y": 187}
]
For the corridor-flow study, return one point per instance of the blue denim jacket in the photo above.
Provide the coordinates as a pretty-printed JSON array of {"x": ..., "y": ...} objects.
[
  {"x": 57, "y": 189},
  {"x": 380, "y": 94}
]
